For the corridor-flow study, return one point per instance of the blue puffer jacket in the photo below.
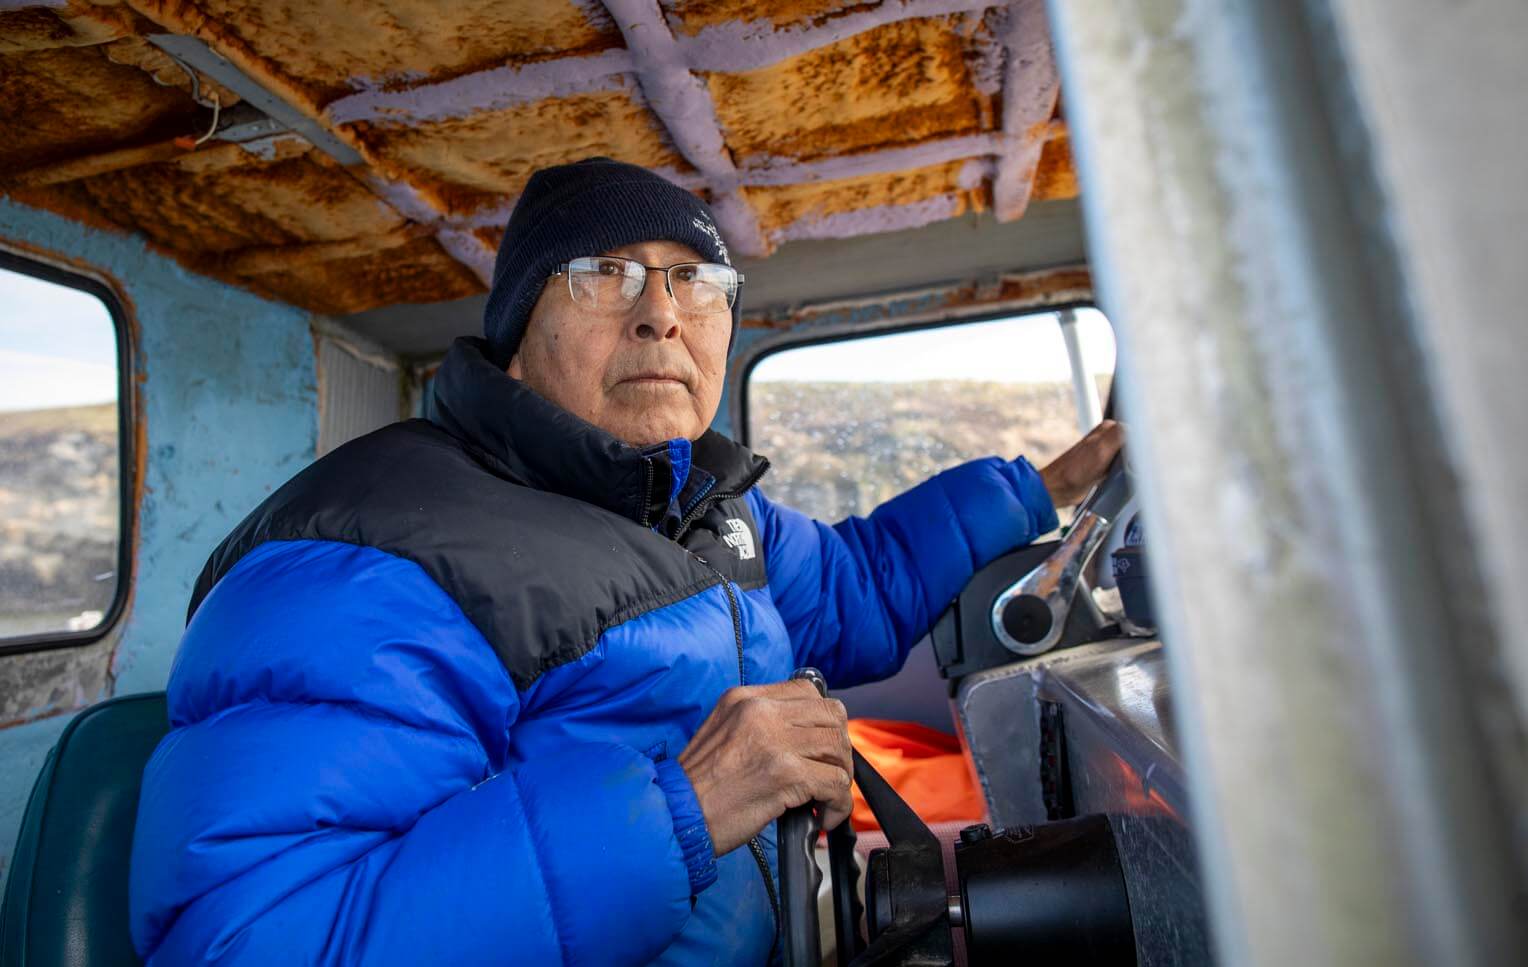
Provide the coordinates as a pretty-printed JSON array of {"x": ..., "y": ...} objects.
[{"x": 429, "y": 702}]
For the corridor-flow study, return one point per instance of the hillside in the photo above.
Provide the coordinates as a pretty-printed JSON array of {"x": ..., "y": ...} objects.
[
  {"x": 843, "y": 448},
  {"x": 58, "y": 517}
]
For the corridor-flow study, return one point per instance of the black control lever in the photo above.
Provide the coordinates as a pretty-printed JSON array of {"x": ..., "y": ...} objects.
[
  {"x": 908, "y": 909},
  {"x": 800, "y": 876},
  {"x": 847, "y": 909},
  {"x": 909, "y": 916}
]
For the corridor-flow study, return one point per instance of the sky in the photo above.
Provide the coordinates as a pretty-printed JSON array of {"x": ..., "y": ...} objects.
[
  {"x": 58, "y": 346},
  {"x": 1019, "y": 349}
]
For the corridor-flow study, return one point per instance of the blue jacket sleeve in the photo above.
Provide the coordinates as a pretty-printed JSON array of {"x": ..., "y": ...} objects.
[
  {"x": 337, "y": 788},
  {"x": 858, "y": 595}
]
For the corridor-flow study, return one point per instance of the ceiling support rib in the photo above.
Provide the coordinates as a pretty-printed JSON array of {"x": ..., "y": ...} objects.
[
  {"x": 1030, "y": 90},
  {"x": 197, "y": 54},
  {"x": 741, "y": 46},
  {"x": 486, "y": 90},
  {"x": 100, "y": 163},
  {"x": 683, "y": 103},
  {"x": 668, "y": 69},
  {"x": 460, "y": 243},
  {"x": 192, "y": 40},
  {"x": 730, "y": 48}
]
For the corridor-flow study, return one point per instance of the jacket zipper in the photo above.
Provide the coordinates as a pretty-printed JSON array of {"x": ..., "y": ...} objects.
[
  {"x": 754, "y": 846},
  {"x": 710, "y": 499}
]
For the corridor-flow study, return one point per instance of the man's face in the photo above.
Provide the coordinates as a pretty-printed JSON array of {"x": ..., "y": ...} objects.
[{"x": 646, "y": 374}]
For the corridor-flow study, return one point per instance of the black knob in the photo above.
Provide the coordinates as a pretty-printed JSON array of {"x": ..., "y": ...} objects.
[
  {"x": 1027, "y": 618},
  {"x": 975, "y": 833}
]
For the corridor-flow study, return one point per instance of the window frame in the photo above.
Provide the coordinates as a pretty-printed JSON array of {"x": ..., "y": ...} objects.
[
  {"x": 127, "y": 462},
  {"x": 803, "y": 337}
]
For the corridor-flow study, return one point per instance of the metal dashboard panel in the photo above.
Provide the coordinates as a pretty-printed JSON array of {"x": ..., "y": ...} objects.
[{"x": 1122, "y": 756}]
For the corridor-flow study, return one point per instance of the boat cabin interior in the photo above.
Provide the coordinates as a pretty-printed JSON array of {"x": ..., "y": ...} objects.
[{"x": 1283, "y": 243}]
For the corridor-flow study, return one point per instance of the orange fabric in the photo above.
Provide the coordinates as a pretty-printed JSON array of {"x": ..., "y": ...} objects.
[{"x": 924, "y": 766}]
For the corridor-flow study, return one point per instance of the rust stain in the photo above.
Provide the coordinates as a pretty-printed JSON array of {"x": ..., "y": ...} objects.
[
  {"x": 491, "y": 237},
  {"x": 892, "y": 86},
  {"x": 693, "y": 16},
  {"x": 64, "y": 102},
  {"x": 1055, "y": 176},
  {"x": 94, "y": 164},
  {"x": 778, "y": 207},
  {"x": 1018, "y": 291},
  {"x": 35, "y": 28},
  {"x": 99, "y": 122},
  {"x": 239, "y": 201},
  {"x": 418, "y": 271},
  {"x": 461, "y": 164},
  {"x": 79, "y": 24},
  {"x": 326, "y": 50},
  {"x": 139, "y": 53}
]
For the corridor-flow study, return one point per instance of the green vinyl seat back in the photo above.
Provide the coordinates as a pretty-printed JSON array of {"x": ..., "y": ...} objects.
[{"x": 66, "y": 897}]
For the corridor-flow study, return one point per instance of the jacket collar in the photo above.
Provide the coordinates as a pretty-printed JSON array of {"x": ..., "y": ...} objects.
[{"x": 529, "y": 439}]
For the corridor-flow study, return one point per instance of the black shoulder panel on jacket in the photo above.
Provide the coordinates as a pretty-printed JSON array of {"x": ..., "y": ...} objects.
[{"x": 542, "y": 576}]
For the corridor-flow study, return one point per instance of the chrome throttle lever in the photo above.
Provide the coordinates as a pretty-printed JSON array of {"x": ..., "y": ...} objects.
[{"x": 1029, "y": 617}]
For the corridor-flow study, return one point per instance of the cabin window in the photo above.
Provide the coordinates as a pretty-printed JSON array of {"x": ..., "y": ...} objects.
[
  {"x": 63, "y": 443},
  {"x": 850, "y": 422}
]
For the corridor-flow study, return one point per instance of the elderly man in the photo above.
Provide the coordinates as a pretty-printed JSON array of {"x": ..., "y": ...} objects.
[{"x": 509, "y": 684}]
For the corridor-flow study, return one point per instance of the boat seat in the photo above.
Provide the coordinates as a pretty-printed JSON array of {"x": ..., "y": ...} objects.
[{"x": 66, "y": 898}]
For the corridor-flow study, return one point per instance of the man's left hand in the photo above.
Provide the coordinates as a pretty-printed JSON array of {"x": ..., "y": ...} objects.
[{"x": 1070, "y": 476}]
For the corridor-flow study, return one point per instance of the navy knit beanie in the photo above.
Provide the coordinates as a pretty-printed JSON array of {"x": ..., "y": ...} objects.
[{"x": 586, "y": 208}]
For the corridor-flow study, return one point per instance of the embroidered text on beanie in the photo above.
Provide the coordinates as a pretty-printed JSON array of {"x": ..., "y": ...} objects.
[{"x": 586, "y": 208}]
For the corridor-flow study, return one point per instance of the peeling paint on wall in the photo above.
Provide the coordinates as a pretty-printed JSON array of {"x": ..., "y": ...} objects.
[{"x": 228, "y": 414}]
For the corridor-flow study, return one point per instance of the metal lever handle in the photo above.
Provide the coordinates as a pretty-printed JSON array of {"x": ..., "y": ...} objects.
[{"x": 1029, "y": 617}]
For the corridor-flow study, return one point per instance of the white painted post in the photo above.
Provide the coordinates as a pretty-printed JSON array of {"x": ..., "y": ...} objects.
[{"x": 1090, "y": 412}]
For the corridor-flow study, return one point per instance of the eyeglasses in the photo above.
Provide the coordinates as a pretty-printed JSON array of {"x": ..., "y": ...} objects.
[{"x": 613, "y": 283}]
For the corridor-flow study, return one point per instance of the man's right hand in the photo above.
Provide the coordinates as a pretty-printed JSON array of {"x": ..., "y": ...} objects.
[{"x": 764, "y": 749}]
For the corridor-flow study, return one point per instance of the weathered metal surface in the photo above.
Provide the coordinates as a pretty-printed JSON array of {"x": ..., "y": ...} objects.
[
  {"x": 1114, "y": 710},
  {"x": 1321, "y": 617},
  {"x": 1007, "y": 291},
  {"x": 1121, "y": 746},
  {"x": 37, "y": 684},
  {"x": 1447, "y": 132},
  {"x": 203, "y": 58},
  {"x": 998, "y": 715}
]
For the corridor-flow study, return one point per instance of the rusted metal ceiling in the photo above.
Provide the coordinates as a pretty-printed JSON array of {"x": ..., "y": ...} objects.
[{"x": 795, "y": 119}]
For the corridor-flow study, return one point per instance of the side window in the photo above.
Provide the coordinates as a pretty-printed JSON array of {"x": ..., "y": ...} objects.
[
  {"x": 62, "y": 442},
  {"x": 853, "y": 422}
]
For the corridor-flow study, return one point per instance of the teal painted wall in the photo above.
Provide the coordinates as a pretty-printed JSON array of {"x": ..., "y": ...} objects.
[{"x": 230, "y": 406}]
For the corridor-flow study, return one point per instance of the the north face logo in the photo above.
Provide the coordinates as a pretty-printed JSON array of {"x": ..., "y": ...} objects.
[{"x": 739, "y": 538}]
